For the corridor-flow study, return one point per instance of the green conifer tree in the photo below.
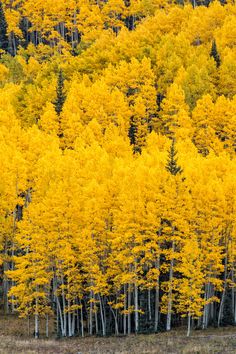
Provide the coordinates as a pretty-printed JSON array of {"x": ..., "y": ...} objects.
[
  {"x": 172, "y": 165},
  {"x": 214, "y": 54},
  {"x": 61, "y": 96}
]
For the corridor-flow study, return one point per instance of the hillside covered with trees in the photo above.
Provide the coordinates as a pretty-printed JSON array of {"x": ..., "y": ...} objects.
[{"x": 118, "y": 164}]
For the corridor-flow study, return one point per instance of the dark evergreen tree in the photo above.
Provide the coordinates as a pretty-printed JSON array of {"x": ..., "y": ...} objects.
[
  {"x": 159, "y": 100},
  {"x": 61, "y": 96},
  {"x": 132, "y": 134},
  {"x": 214, "y": 54},
  {"x": 172, "y": 165},
  {"x": 3, "y": 30}
]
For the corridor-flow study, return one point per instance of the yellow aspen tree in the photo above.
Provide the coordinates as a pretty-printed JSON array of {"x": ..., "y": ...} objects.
[
  {"x": 204, "y": 136},
  {"x": 174, "y": 118},
  {"x": 189, "y": 299}
]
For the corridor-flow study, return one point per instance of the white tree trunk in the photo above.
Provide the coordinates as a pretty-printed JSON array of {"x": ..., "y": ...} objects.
[
  {"x": 47, "y": 326},
  {"x": 91, "y": 315},
  {"x": 36, "y": 321},
  {"x": 125, "y": 308},
  {"x": 189, "y": 325},
  {"x": 129, "y": 305},
  {"x": 169, "y": 305},
  {"x": 82, "y": 319},
  {"x": 157, "y": 298},
  {"x": 102, "y": 317},
  {"x": 60, "y": 318},
  {"x": 69, "y": 320},
  {"x": 136, "y": 308}
]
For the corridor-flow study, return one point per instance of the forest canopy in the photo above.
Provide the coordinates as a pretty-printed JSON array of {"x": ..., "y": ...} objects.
[{"x": 118, "y": 164}]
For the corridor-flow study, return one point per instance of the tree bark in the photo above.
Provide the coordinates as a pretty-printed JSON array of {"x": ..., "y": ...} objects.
[
  {"x": 169, "y": 305},
  {"x": 189, "y": 325},
  {"x": 157, "y": 297},
  {"x": 136, "y": 309}
]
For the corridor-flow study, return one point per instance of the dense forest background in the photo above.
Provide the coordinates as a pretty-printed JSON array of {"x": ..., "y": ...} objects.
[{"x": 118, "y": 166}]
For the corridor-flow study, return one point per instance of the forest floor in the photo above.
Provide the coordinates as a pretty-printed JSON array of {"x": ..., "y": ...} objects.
[{"x": 14, "y": 340}]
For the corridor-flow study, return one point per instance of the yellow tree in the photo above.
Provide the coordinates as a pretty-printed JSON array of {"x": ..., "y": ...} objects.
[{"x": 174, "y": 118}]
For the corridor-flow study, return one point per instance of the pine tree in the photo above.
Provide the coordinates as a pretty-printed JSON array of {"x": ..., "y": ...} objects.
[
  {"x": 214, "y": 54},
  {"x": 61, "y": 97},
  {"x": 3, "y": 30},
  {"x": 132, "y": 132},
  {"x": 172, "y": 165}
]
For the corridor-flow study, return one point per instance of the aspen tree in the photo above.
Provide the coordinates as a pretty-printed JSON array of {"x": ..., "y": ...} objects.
[
  {"x": 93, "y": 236},
  {"x": 175, "y": 170}
]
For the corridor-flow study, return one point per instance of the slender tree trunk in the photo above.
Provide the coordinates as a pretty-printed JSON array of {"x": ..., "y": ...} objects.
[
  {"x": 64, "y": 309},
  {"x": 5, "y": 284},
  {"x": 69, "y": 320},
  {"x": 157, "y": 297},
  {"x": 224, "y": 289},
  {"x": 82, "y": 319},
  {"x": 125, "y": 308},
  {"x": 169, "y": 305},
  {"x": 102, "y": 317},
  {"x": 77, "y": 321},
  {"x": 96, "y": 320},
  {"x": 234, "y": 308},
  {"x": 73, "y": 324},
  {"x": 189, "y": 325},
  {"x": 13, "y": 249},
  {"x": 116, "y": 322},
  {"x": 61, "y": 319},
  {"x": 221, "y": 306},
  {"x": 36, "y": 326},
  {"x": 212, "y": 308},
  {"x": 47, "y": 327},
  {"x": 36, "y": 321},
  {"x": 129, "y": 305},
  {"x": 136, "y": 309},
  {"x": 57, "y": 321},
  {"x": 104, "y": 312},
  {"x": 55, "y": 305},
  {"x": 149, "y": 306},
  {"x": 91, "y": 315},
  {"x": 206, "y": 306},
  {"x": 233, "y": 294}
]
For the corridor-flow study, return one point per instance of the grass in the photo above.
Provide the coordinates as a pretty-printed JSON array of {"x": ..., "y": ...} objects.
[{"x": 14, "y": 339}]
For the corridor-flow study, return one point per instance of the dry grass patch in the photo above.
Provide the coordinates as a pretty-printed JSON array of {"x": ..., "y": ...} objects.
[{"x": 14, "y": 339}]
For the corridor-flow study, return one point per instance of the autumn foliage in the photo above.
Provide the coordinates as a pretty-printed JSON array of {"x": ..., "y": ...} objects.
[{"x": 118, "y": 165}]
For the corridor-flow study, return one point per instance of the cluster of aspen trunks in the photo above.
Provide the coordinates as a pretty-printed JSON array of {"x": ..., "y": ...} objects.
[
  {"x": 30, "y": 26},
  {"x": 169, "y": 283}
]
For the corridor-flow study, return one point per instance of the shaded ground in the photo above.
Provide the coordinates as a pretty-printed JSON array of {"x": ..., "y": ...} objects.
[{"x": 14, "y": 340}]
